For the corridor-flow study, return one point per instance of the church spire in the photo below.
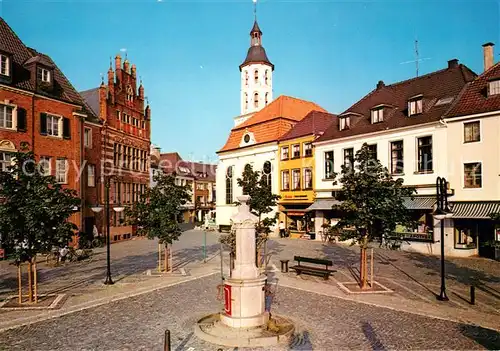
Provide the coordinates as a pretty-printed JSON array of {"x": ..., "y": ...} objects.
[{"x": 256, "y": 73}]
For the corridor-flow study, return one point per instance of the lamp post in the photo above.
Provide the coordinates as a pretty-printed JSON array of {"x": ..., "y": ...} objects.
[
  {"x": 442, "y": 211},
  {"x": 97, "y": 209}
]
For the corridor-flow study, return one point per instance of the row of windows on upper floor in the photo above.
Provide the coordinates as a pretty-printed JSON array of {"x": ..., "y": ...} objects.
[
  {"x": 129, "y": 157},
  {"x": 13, "y": 118},
  {"x": 256, "y": 99},
  {"x": 45, "y": 168},
  {"x": 472, "y": 170},
  {"x": 267, "y": 78},
  {"x": 295, "y": 148},
  {"x": 128, "y": 119}
]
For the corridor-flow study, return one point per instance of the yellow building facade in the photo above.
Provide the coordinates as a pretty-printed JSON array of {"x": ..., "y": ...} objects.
[
  {"x": 296, "y": 173},
  {"x": 296, "y": 182}
]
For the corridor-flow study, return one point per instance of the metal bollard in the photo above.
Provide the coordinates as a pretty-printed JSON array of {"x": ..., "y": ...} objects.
[
  {"x": 472, "y": 295},
  {"x": 166, "y": 345}
]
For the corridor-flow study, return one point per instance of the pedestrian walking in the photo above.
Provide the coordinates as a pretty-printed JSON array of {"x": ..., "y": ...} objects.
[{"x": 282, "y": 229}]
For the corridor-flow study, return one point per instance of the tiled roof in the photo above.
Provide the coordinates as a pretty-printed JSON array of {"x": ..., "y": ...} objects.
[
  {"x": 91, "y": 98},
  {"x": 272, "y": 122},
  {"x": 285, "y": 107},
  {"x": 438, "y": 89},
  {"x": 315, "y": 123},
  {"x": 474, "y": 98},
  {"x": 21, "y": 54},
  {"x": 172, "y": 162}
]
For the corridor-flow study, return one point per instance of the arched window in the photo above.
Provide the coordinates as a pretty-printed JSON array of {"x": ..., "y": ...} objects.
[
  {"x": 246, "y": 78},
  {"x": 266, "y": 171},
  {"x": 256, "y": 75},
  {"x": 248, "y": 168},
  {"x": 246, "y": 101},
  {"x": 256, "y": 100},
  {"x": 266, "y": 77},
  {"x": 267, "y": 96},
  {"x": 229, "y": 185}
]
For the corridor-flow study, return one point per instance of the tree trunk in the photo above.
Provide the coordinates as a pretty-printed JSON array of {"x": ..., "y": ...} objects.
[
  {"x": 20, "y": 283},
  {"x": 166, "y": 258},
  {"x": 363, "y": 269},
  {"x": 35, "y": 281},
  {"x": 30, "y": 281}
]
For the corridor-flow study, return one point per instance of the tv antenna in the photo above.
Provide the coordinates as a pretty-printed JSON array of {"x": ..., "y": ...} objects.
[{"x": 417, "y": 58}]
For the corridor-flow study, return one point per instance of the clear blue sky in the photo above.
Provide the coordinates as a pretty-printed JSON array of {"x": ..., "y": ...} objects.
[{"x": 188, "y": 52}]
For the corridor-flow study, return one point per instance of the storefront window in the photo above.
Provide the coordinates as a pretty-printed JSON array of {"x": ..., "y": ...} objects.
[{"x": 465, "y": 234}]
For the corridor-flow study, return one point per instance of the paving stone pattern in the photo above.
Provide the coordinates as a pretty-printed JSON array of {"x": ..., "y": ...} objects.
[
  {"x": 413, "y": 276},
  {"x": 323, "y": 323}
]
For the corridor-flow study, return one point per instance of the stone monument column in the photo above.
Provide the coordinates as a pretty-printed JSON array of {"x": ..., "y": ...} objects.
[{"x": 244, "y": 290}]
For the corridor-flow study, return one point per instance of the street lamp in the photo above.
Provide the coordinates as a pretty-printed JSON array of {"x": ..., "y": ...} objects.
[
  {"x": 117, "y": 209},
  {"x": 442, "y": 211}
]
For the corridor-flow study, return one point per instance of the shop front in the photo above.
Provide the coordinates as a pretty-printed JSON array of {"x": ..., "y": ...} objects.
[
  {"x": 474, "y": 228},
  {"x": 298, "y": 223}
]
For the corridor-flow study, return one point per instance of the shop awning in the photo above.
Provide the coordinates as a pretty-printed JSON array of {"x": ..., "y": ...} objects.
[
  {"x": 323, "y": 204},
  {"x": 420, "y": 203},
  {"x": 475, "y": 209}
]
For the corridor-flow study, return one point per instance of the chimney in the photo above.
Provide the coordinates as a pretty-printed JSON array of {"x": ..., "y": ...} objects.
[
  {"x": 488, "y": 55},
  {"x": 380, "y": 84},
  {"x": 453, "y": 63}
]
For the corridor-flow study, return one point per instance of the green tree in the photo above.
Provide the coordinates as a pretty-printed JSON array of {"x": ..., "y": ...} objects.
[
  {"x": 34, "y": 211},
  {"x": 158, "y": 209},
  {"x": 372, "y": 203},
  {"x": 262, "y": 201}
]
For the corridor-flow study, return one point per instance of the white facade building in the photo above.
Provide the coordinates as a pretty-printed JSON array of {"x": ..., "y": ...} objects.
[{"x": 406, "y": 127}]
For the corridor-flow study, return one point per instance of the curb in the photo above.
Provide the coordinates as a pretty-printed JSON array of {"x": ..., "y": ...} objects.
[{"x": 95, "y": 303}]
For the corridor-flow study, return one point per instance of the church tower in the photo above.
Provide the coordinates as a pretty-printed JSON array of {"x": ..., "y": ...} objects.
[{"x": 256, "y": 75}]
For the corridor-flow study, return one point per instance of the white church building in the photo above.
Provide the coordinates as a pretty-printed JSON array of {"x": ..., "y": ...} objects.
[{"x": 254, "y": 138}]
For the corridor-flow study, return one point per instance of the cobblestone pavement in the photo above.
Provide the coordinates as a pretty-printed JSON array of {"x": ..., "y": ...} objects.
[
  {"x": 129, "y": 261},
  {"x": 412, "y": 276},
  {"x": 323, "y": 323}
]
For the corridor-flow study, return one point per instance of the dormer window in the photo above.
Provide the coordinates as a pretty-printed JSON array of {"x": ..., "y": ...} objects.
[
  {"x": 415, "y": 105},
  {"x": 43, "y": 75},
  {"x": 344, "y": 123},
  {"x": 377, "y": 114},
  {"x": 4, "y": 65},
  {"x": 494, "y": 87}
]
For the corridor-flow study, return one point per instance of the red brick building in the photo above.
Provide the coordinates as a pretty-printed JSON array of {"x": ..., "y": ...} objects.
[
  {"x": 39, "y": 106},
  {"x": 124, "y": 143}
]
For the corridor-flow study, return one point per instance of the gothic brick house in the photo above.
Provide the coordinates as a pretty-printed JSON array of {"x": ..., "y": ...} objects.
[{"x": 125, "y": 143}]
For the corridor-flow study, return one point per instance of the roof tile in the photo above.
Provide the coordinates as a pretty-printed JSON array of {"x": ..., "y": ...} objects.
[{"x": 446, "y": 83}]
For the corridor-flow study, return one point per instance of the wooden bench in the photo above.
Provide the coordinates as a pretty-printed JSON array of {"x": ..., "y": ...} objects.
[{"x": 313, "y": 270}]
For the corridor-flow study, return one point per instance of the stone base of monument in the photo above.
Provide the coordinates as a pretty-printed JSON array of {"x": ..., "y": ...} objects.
[{"x": 211, "y": 329}]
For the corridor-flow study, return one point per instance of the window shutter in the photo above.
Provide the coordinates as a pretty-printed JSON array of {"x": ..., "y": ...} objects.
[
  {"x": 66, "y": 128},
  {"x": 43, "y": 123},
  {"x": 21, "y": 119}
]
